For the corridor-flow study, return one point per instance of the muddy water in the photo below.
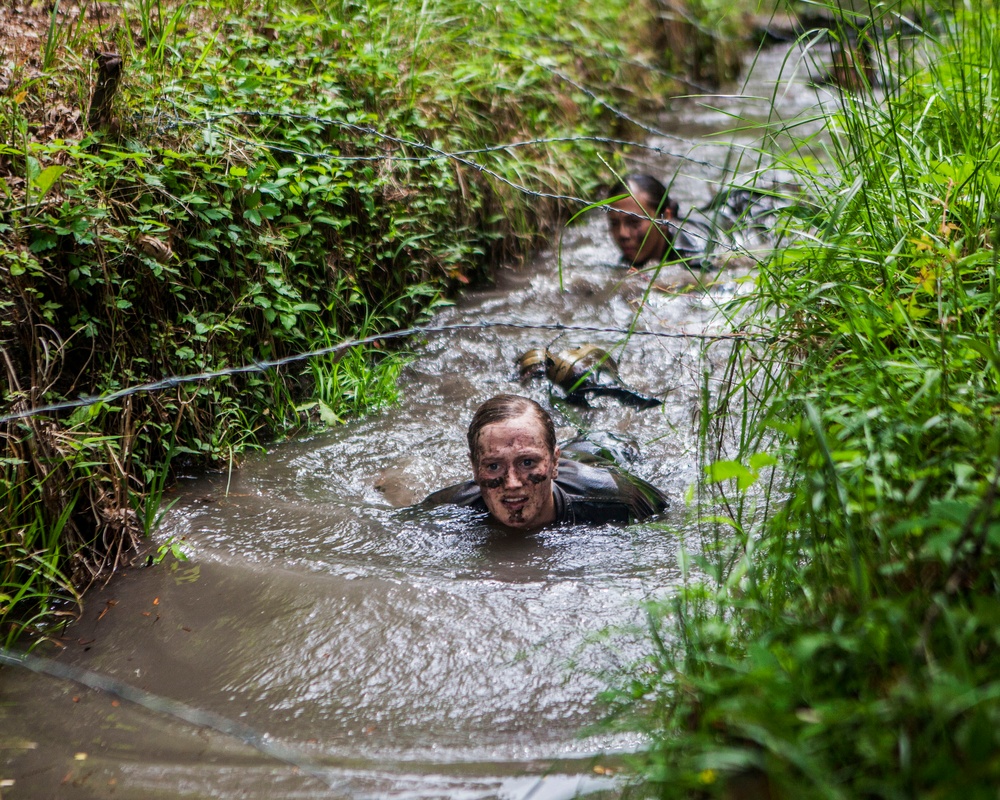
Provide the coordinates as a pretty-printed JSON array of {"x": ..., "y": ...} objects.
[{"x": 386, "y": 651}]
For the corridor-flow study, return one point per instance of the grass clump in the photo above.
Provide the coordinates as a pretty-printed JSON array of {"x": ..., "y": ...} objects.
[
  {"x": 230, "y": 183},
  {"x": 845, "y": 641}
]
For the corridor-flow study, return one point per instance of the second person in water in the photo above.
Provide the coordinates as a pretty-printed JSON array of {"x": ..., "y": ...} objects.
[{"x": 646, "y": 225}]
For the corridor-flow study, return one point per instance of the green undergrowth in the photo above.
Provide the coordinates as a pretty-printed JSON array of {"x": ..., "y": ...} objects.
[
  {"x": 844, "y": 639},
  {"x": 264, "y": 180}
]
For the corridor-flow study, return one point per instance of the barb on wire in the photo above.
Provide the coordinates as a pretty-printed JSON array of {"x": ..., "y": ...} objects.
[{"x": 262, "y": 366}]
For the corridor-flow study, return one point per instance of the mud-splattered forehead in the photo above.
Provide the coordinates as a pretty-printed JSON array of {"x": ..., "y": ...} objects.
[{"x": 504, "y": 407}]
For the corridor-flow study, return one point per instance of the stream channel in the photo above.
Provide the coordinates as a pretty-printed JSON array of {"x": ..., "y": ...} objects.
[{"x": 383, "y": 652}]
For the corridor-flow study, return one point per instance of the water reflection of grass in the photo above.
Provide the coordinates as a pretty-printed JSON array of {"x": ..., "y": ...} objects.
[{"x": 847, "y": 646}]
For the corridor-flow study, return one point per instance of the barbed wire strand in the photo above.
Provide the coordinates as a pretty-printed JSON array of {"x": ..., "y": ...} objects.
[
  {"x": 723, "y": 245},
  {"x": 262, "y": 366},
  {"x": 438, "y": 153},
  {"x": 164, "y": 705}
]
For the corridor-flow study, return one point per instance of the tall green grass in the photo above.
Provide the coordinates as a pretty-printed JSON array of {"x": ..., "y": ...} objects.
[{"x": 845, "y": 642}]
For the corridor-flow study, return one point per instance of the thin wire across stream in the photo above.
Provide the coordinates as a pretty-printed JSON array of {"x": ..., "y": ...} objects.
[{"x": 263, "y": 366}]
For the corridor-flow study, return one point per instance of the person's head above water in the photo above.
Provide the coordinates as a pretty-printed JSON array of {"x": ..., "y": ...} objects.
[
  {"x": 512, "y": 445},
  {"x": 634, "y": 230}
]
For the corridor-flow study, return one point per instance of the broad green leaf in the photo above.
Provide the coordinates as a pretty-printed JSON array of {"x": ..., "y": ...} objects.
[
  {"x": 727, "y": 470},
  {"x": 760, "y": 460},
  {"x": 327, "y": 414}
]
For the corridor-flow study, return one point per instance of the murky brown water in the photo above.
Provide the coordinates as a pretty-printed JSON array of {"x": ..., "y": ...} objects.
[{"x": 399, "y": 653}]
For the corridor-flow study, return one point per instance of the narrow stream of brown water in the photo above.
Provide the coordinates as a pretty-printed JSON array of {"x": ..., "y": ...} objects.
[{"x": 393, "y": 652}]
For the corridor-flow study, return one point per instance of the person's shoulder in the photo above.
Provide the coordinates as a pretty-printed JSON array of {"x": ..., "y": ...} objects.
[
  {"x": 461, "y": 494},
  {"x": 577, "y": 478},
  {"x": 607, "y": 493}
]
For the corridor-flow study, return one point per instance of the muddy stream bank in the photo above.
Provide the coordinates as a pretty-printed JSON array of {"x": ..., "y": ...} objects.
[{"x": 402, "y": 653}]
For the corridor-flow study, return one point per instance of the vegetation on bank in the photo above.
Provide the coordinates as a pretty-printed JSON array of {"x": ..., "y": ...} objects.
[
  {"x": 845, "y": 641},
  {"x": 228, "y": 183}
]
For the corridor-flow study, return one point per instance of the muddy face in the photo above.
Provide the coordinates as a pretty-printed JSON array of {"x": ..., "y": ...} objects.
[
  {"x": 639, "y": 239},
  {"x": 514, "y": 470}
]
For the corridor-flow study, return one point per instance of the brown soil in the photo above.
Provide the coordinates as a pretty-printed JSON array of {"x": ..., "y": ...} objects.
[
  {"x": 25, "y": 34},
  {"x": 53, "y": 103}
]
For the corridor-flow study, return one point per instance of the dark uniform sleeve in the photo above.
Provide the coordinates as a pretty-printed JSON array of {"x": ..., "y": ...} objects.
[
  {"x": 693, "y": 241},
  {"x": 461, "y": 494},
  {"x": 600, "y": 494}
]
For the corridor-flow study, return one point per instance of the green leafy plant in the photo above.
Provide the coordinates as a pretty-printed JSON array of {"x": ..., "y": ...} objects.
[{"x": 173, "y": 546}]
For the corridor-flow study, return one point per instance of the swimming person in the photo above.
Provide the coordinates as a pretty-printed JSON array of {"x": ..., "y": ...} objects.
[
  {"x": 521, "y": 481},
  {"x": 646, "y": 225}
]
